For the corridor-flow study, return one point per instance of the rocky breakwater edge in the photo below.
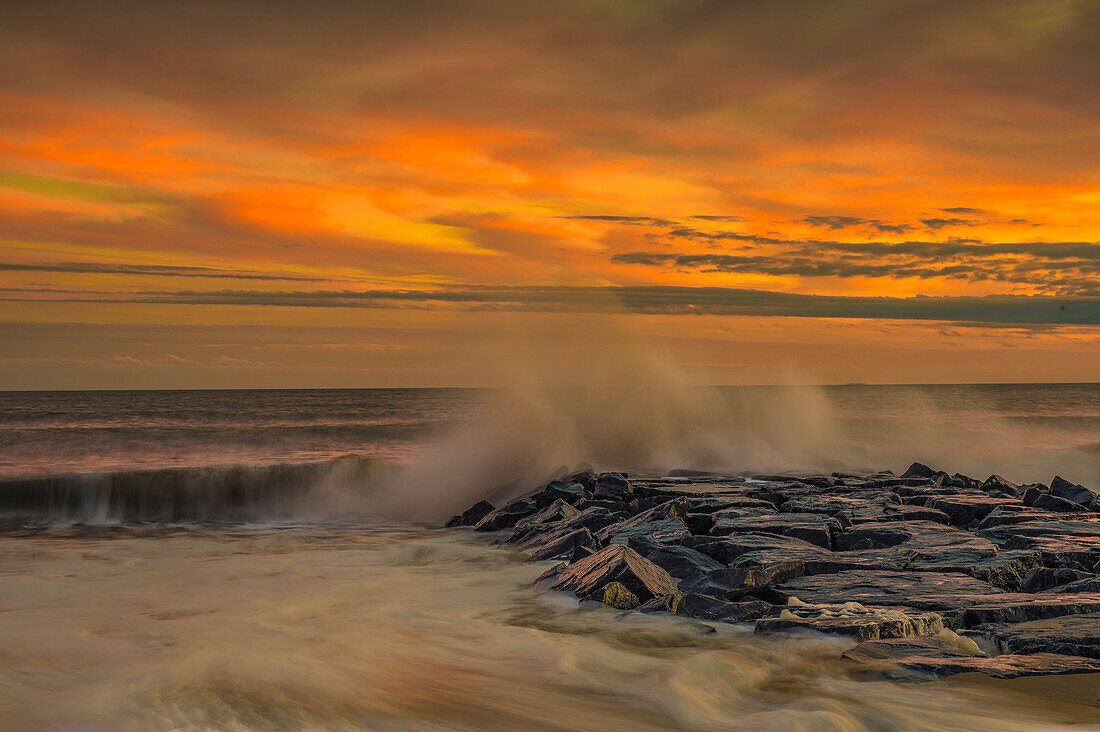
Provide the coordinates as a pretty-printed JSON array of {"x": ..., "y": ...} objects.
[{"x": 929, "y": 574}]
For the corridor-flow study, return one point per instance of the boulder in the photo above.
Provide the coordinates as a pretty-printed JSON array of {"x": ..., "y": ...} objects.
[
  {"x": 996, "y": 483},
  {"x": 1051, "y": 502},
  {"x": 507, "y": 516},
  {"x": 852, "y": 619},
  {"x": 1062, "y": 488},
  {"x": 1008, "y": 515},
  {"x": 815, "y": 528},
  {"x": 588, "y": 577},
  {"x": 471, "y": 516},
  {"x": 682, "y": 562},
  {"x": 553, "y": 513},
  {"x": 612, "y": 487},
  {"x": 924, "y": 590},
  {"x": 964, "y": 510},
  {"x": 1040, "y": 579},
  {"x": 727, "y": 549},
  {"x": 1074, "y": 635},
  {"x": 1002, "y": 667},
  {"x": 565, "y": 545},
  {"x": 1022, "y": 608},
  {"x": 889, "y": 533},
  {"x": 534, "y": 535},
  {"x": 558, "y": 490},
  {"x": 703, "y": 607},
  {"x": 1088, "y": 584},
  {"x": 645, "y": 538},
  {"x": 918, "y": 470}
]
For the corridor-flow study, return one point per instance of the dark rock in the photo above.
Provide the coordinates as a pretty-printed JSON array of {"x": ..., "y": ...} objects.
[
  {"x": 884, "y": 654},
  {"x": 918, "y": 470},
  {"x": 583, "y": 475},
  {"x": 1052, "y": 502},
  {"x": 611, "y": 487},
  {"x": 1008, "y": 515},
  {"x": 863, "y": 623},
  {"x": 727, "y": 549},
  {"x": 1088, "y": 584},
  {"x": 1003, "y": 667},
  {"x": 681, "y": 562},
  {"x": 471, "y": 516},
  {"x": 711, "y": 505},
  {"x": 890, "y": 533},
  {"x": 892, "y": 512},
  {"x": 535, "y": 535},
  {"x": 1006, "y": 570},
  {"x": 1074, "y": 635},
  {"x": 1062, "y": 488},
  {"x": 557, "y": 511},
  {"x": 572, "y": 492},
  {"x": 676, "y": 508},
  {"x": 923, "y": 590},
  {"x": 507, "y": 516},
  {"x": 1023, "y": 608},
  {"x": 742, "y": 581},
  {"x": 703, "y": 607},
  {"x": 588, "y": 577},
  {"x": 968, "y": 509},
  {"x": 1030, "y": 495},
  {"x": 645, "y": 538},
  {"x": 1000, "y": 485},
  {"x": 812, "y": 527},
  {"x": 1045, "y": 578},
  {"x": 616, "y": 507},
  {"x": 566, "y": 545},
  {"x": 699, "y": 524}
]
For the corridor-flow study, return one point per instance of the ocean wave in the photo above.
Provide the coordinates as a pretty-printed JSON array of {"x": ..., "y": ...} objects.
[{"x": 183, "y": 495}]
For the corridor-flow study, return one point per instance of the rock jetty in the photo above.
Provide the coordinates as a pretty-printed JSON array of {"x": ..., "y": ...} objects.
[{"x": 931, "y": 574}]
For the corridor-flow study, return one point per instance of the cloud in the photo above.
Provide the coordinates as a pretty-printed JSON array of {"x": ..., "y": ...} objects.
[
  {"x": 1036, "y": 310},
  {"x": 152, "y": 270}
]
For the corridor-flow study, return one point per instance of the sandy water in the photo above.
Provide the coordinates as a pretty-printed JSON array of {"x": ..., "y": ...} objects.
[{"x": 342, "y": 627}]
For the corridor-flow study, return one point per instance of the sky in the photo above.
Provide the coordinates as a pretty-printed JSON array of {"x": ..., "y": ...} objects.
[{"x": 292, "y": 194}]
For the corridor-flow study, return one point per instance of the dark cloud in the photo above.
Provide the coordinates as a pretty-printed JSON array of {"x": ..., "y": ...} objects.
[
  {"x": 630, "y": 220},
  {"x": 154, "y": 271},
  {"x": 937, "y": 224},
  {"x": 963, "y": 210},
  {"x": 731, "y": 219},
  {"x": 1023, "y": 310}
]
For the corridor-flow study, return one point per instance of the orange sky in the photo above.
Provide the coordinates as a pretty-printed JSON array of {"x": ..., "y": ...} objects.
[{"x": 275, "y": 194}]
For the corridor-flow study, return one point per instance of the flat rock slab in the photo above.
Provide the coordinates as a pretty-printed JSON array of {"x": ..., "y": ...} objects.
[
  {"x": 967, "y": 510},
  {"x": 1074, "y": 635},
  {"x": 587, "y": 578},
  {"x": 812, "y": 527},
  {"x": 924, "y": 590},
  {"x": 1005, "y": 570},
  {"x": 853, "y": 619},
  {"x": 1002, "y": 667},
  {"x": 1021, "y": 608}
]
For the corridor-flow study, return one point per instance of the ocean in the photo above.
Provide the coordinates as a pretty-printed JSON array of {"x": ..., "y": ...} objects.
[{"x": 269, "y": 559}]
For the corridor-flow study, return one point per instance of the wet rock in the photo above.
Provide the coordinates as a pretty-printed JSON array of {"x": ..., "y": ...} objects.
[
  {"x": 876, "y": 512},
  {"x": 1074, "y": 635},
  {"x": 1045, "y": 578},
  {"x": 682, "y": 562},
  {"x": 535, "y": 535},
  {"x": 588, "y": 577},
  {"x": 713, "y": 505},
  {"x": 612, "y": 487},
  {"x": 965, "y": 510},
  {"x": 704, "y": 607},
  {"x": 741, "y": 581},
  {"x": 552, "y": 514},
  {"x": 566, "y": 545},
  {"x": 645, "y": 538},
  {"x": 833, "y": 505},
  {"x": 571, "y": 492},
  {"x": 674, "y": 509},
  {"x": 812, "y": 527},
  {"x": 1052, "y": 502},
  {"x": 1003, "y": 667},
  {"x": 1008, "y": 515},
  {"x": 924, "y": 590},
  {"x": 1000, "y": 485},
  {"x": 853, "y": 619},
  {"x": 471, "y": 516},
  {"x": 918, "y": 470},
  {"x": 1022, "y": 608},
  {"x": 507, "y": 516},
  {"x": 889, "y": 533},
  {"x": 726, "y": 550},
  {"x": 699, "y": 524},
  {"x": 1088, "y": 584},
  {"x": 1006, "y": 570},
  {"x": 1062, "y": 488},
  {"x": 615, "y": 595}
]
